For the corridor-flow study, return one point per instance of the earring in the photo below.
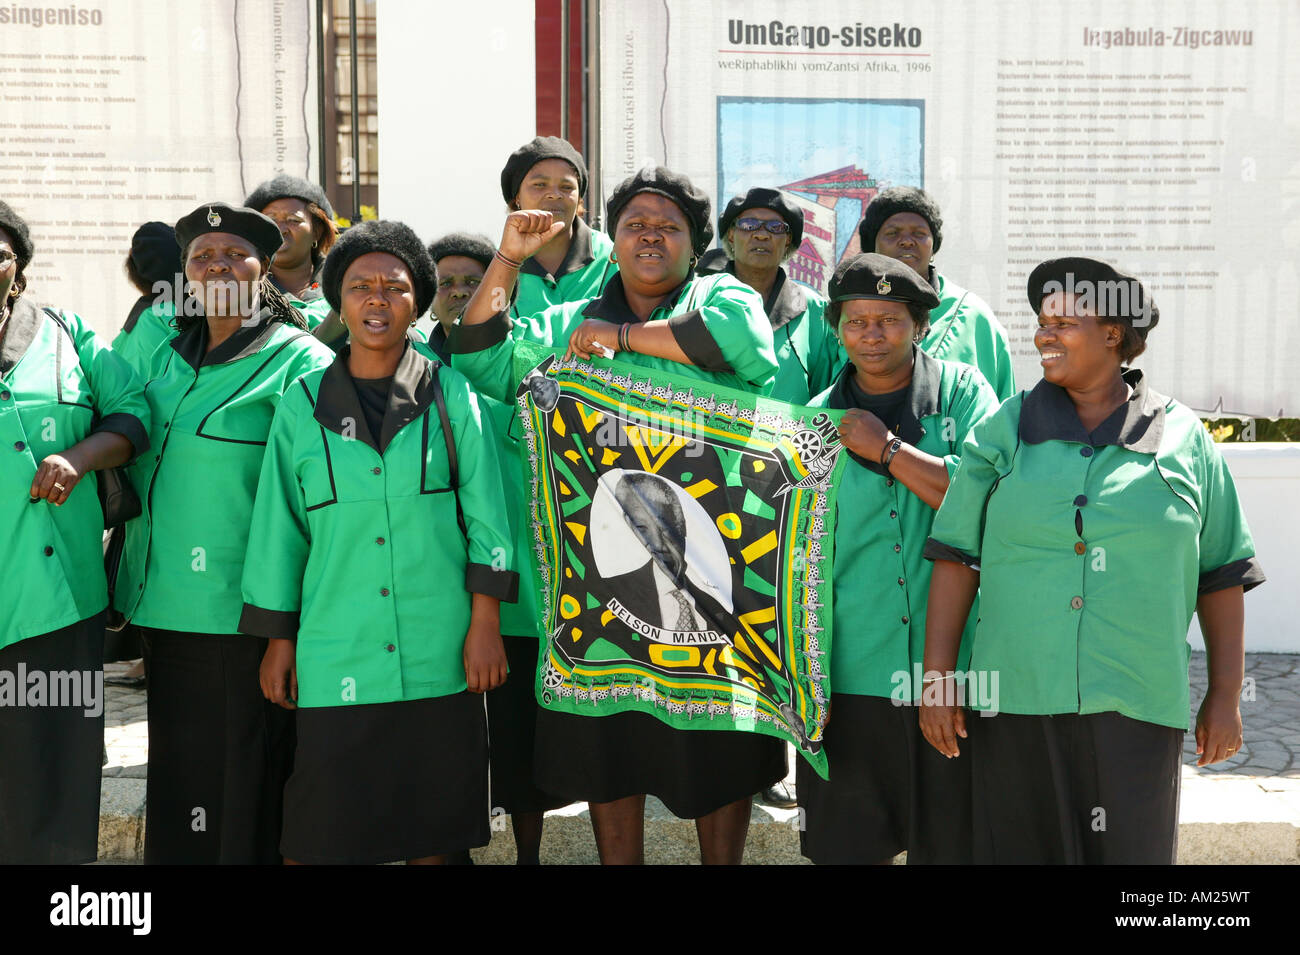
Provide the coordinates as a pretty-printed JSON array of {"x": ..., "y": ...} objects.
[
  {"x": 695, "y": 259},
  {"x": 613, "y": 256}
]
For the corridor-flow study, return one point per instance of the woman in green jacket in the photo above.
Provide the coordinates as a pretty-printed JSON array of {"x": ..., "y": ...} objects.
[
  {"x": 575, "y": 263},
  {"x": 761, "y": 230},
  {"x": 904, "y": 223},
  {"x": 1094, "y": 516},
  {"x": 907, "y": 416},
  {"x": 383, "y": 615},
  {"x": 306, "y": 222},
  {"x": 68, "y": 407},
  {"x": 218, "y": 752},
  {"x": 658, "y": 316}
]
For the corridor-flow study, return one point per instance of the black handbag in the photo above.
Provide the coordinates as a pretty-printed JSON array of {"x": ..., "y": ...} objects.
[
  {"x": 120, "y": 504},
  {"x": 117, "y": 498}
]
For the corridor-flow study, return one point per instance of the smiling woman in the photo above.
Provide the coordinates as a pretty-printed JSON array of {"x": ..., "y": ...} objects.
[{"x": 1110, "y": 504}]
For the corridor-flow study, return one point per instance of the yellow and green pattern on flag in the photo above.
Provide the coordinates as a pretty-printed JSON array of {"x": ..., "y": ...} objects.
[{"x": 683, "y": 543}]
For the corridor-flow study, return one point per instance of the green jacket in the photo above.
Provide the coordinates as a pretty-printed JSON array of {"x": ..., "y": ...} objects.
[
  {"x": 184, "y": 555},
  {"x": 717, "y": 321},
  {"x": 583, "y": 274},
  {"x": 58, "y": 384},
  {"x": 807, "y": 351},
  {"x": 882, "y": 581},
  {"x": 357, "y": 555},
  {"x": 148, "y": 326},
  {"x": 1092, "y": 549},
  {"x": 963, "y": 328}
]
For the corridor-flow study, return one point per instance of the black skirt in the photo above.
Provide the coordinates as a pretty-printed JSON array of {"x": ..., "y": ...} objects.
[
  {"x": 1071, "y": 789},
  {"x": 219, "y": 752},
  {"x": 889, "y": 790},
  {"x": 694, "y": 772},
  {"x": 382, "y": 782},
  {"x": 512, "y": 729},
  {"x": 51, "y": 755}
]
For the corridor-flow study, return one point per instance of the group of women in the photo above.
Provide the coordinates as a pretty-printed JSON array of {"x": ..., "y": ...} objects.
[{"x": 329, "y": 571}]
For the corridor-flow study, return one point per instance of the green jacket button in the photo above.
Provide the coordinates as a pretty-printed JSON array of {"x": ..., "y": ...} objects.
[
  {"x": 904, "y": 620},
  {"x": 49, "y": 551},
  {"x": 893, "y": 513},
  {"x": 383, "y": 592},
  {"x": 898, "y": 548},
  {"x": 1079, "y": 547},
  {"x": 1081, "y": 501},
  {"x": 1086, "y": 451},
  {"x": 901, "y": 582},
  {"x": 375, "y": 470},
  {"x": 19, "y": 446},
  {"x": 1076, "y": 603},
  {"x": 390, "y": 648},
  {"x": 4, "y": 396},
  {"x": 379, "y": 541}
]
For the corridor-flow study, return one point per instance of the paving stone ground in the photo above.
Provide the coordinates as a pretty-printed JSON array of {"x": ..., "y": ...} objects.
[{"x": 1217, "y": 801}]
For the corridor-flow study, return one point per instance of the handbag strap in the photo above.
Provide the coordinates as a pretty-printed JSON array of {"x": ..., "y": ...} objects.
[{"x": 453, "y": 466}]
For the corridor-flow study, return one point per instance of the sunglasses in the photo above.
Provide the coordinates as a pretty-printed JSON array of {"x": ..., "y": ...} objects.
[{"x": 773, "y": 226}]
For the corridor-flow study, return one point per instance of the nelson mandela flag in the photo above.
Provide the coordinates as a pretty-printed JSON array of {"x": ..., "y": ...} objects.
[{"x": 683, "y": 539}]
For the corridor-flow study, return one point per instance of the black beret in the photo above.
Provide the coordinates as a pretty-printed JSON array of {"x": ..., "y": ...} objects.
[
  {"x": 476, "y": 247},
  {"x": 222, "y": 217},
  {"x": 16, "y": 226},
  {"x": 874, "y": 276},
  {"x": 890, "y": 203},
  {"x": 712, "y": 262},
  {"x": 154, "y": 252},
  {"x": 288, "y": 187},
  {"x": 530, "y": 154},
  {"x": 764, "y": 198},
  {"x": 1103, "y": 289},
  {"x": 385, "y": 235},
  {"x": 693, "y": 203}
]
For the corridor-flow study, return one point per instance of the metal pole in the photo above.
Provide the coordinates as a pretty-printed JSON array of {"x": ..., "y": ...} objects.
[
  {"x": 356, "y": 113},
  {"x": 320, "y": 94},
  {"x": 591, "y": 151},
  {"x": 564, "y": 69}
]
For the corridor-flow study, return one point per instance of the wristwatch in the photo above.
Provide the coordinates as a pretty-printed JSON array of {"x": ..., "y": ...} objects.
[{"x": 887, "y": 456}]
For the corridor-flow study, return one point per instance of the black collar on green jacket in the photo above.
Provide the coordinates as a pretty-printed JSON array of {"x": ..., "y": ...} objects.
[
  {"x": 24, "y": 319},
  {"x": 611, "y": 305},
  {"x": 922, "y": 399},
  {"x": 578, "y": 255},
  {"x": 1047, "y": 414},
  {"x": 248, "y": 339},
  {"x": 411, "y": 395},
  {"x": 785, "y": 302}
]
